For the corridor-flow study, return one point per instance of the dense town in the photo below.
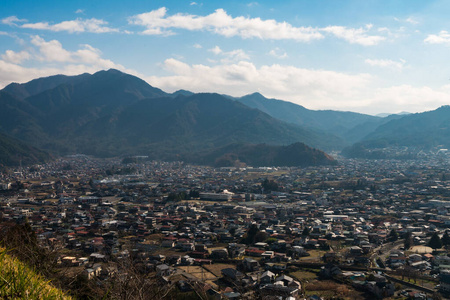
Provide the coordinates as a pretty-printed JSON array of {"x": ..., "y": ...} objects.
[{"x": 361, "y": 229}]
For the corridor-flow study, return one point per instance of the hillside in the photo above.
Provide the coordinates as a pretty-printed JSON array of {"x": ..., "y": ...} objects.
[
  {"x": 260, "y": 155},
  {"x": 14, "y": 152},
  {"x": 421, "y": 130},
  {"x": 18, "y": 281},
  {"x": 348, "y": 125}
]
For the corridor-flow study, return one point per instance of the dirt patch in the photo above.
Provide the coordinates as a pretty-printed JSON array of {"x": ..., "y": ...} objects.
[
  {"x": 331, "y": 289},
  {"x": 198, "y": 272},
  {"x": 421, "y": 249},
  {"x": 216, "y": 268},
  {"x": 304, "y": 276}
]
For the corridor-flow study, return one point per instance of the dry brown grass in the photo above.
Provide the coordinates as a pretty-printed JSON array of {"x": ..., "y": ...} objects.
[
  {"x": 198, "y": 272},
  {"x": 216, "y": 268},
  {"x": 304, "y": 276}
]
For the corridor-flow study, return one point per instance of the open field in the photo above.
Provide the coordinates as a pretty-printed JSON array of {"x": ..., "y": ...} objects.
[
  {"x": 198, "y": 272},
  {"x": 330, "y": 289},
  {"x": 216, "y": 268},
  {"x": 315, "y": 255},
  {"x": 304, "y": 276}
]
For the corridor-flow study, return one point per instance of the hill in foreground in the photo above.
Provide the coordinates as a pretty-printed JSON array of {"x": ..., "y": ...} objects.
[
  {"x": 18, "y": 281},
  {"x": 295, "y": 155}
]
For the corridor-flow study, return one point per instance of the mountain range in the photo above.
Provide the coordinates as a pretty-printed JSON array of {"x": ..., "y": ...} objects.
[{"x": 111, "y": 113}]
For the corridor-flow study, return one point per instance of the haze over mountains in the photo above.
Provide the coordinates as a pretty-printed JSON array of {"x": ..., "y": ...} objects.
[{"x": 111, "y": 113}]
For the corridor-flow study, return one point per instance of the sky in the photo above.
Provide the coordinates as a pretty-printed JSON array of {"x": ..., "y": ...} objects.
[{"x": 365, "y": 56}]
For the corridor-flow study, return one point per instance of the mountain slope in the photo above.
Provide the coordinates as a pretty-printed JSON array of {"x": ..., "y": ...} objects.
[
  {"x": 36, "y": 86},
  {"x": 184, "y": 124},
  {"x": 421, "y": 130},
  {"x": 14, "y": 152},
  {"x": 340, "y": 123},
  {"x": 112, "y": 113},
  {"x": 297, "y": 154}
]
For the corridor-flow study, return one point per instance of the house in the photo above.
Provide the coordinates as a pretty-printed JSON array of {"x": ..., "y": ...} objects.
[
  {"x": 232, "y": 275},
  {"x": 167, "y": 244},
  {"x": 267, "y": 277},
  {"x": 250, "y": 264},
  {"x": 69, "y": 261},
  {"x": 221, "y": 253},
  {"x": 355, "y": 250},
  {"x": 285, "y": 279},
  {"x": 277, "y": 290},
  {"x": 164, "y": 270}
]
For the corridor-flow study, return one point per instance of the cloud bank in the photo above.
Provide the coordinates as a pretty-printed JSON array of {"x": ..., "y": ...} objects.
[{"x": 157, "y": 22}]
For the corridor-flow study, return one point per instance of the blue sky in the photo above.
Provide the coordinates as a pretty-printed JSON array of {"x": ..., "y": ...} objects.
[{"x": 364, "y": 56}]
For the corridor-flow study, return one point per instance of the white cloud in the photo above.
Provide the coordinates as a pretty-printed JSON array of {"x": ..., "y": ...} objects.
[
  {"x": 278, "y": 53},
  {"x": 157, "y": 22},
  {"x": 406, "y": 98},
  {"x": 12, "y": 20},
  {"x": 355, "y": 35},
  {"x": 16, "y": 57},
  {"x": 219, "y": 22},
  {"x": 50, "y": 58},
  {"x": 314, "y": 88},
  {"x": 51, "y": 51},
  {"x": 412, "y": 20},
  {"x": 230, "y": 56},
  {"x": 216, "y": 50},
  {"x": 252, "y": 4},
  {"x": 197, "y": 46},
  {"x": 79, "y": 25},
  {"x": 79, "y": 11},
  {"x": 442, "y": 38},
  {"x": 386, "y": 63}
]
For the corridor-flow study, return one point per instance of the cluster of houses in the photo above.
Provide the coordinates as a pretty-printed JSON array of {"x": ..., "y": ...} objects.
[{"x": 201, "y": 215}]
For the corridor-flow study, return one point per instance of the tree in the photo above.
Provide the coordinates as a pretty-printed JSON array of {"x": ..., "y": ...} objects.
[
  {"x": 305, "y": 231},
  {"x": 261, "y": 236},
  {"x": 251, "y": 234},
  {"x": 393, "y": 235},
  {"x": 435, "y": 241},
  {"x": 446, "y": 239},
  {"x": 269, "y": 185},
  {"x": 408, "y": 240}
]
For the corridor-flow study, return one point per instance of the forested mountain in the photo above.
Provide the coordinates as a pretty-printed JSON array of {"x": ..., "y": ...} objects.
[
  {"x": 14, "y": 153},
  {"x": 348, "y": 125},
  {"x": 422, "y": 130},
  {"x": 111, "y": 113}
]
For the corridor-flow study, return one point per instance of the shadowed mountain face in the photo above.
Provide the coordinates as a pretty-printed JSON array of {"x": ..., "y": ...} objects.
[
  {"x": 297, "y": 154},
  {"x": 421, "y": 131},
  {"x": 14, "y": 153},
  {"x": 111, "y": 113}
]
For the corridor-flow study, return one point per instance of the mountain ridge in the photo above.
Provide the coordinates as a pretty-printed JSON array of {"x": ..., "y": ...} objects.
[{"x": 110, "y": 113}]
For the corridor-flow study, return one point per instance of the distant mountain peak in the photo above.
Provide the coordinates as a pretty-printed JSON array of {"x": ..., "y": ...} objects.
[
  {"x": 255, "y": 95},
  {"x": 182, "y": 93}
]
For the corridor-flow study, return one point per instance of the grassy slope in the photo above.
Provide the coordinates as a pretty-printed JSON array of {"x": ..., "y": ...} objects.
[{"x": 17, "y": 281}]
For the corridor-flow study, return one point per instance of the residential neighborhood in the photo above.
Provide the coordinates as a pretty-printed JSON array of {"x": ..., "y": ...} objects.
[{"x": 362, "y": 229}]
